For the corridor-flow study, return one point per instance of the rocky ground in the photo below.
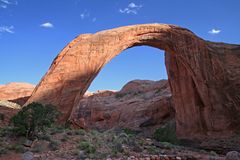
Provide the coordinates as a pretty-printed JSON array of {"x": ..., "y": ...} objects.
[
  {"x": 136, "y": 122},
  {"x": 64, "y": 143}
]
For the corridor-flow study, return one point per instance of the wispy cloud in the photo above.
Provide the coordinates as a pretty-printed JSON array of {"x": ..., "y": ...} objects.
[
  {"x": 7, "y": 29},
  {"x": 47, "y": 25},
  {"x": 214, "y": 31},
  {"x": 132, "y": 8},
  {"x": 84, "y": 15},
  {"x": 87, "y": 16},
  {"x": 5, "y": 3},
  {"x": 3, "y": 6}
]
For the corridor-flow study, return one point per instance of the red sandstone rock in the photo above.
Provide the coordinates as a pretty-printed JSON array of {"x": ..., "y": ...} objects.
[
  {"x": 5, "y": 115},
  {"x": 204, "y": 76},
  {"x": 16, "y": 92},
  {"x": 140, "y": 105}
]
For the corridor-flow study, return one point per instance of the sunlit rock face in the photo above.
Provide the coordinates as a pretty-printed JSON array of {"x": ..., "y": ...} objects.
[{"x": 204, "y": 76}]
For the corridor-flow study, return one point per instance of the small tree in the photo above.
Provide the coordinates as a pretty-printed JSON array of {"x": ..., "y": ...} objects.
[
  {"x": 33, "y": 119},
  {"x": 166, "y": 133}
]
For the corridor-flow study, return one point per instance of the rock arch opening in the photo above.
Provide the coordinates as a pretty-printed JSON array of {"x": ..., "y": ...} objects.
[
  {"x": 131, "y": 91},
  {"x": 204, "y": 76},
  {"x": 137, "y": 63}
]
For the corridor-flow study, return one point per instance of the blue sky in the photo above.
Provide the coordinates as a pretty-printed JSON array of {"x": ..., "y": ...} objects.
[{"x": 33, "y": 32}]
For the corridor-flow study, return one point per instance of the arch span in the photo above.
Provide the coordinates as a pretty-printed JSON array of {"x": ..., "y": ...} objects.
[{"x": 204, "y": 76}]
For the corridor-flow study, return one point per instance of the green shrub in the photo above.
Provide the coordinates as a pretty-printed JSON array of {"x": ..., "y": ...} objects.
[
  {"x": 64, "y": 139},
  {"x": 54, "y": 145},
  {"x": 166, "y": 133},
  {"x": 17, "y": 148},
  {"x": 129, "y": 132},
  {"x": 5, "y": 131},
  {"x": 80, "y": 132},
  {"x": 38, "y": 148},
  {"x": 119, "y": 95},
  {"x": 56, "y": 129},
  {"x": 33, "y": 119},
  {"x": 3, "y": 151},
  {"x": 45, "y": 137},
  {"x": 87, "y": 147},
  {"x": 117, "y": 147},
  {"x": 152, "y": 150}
]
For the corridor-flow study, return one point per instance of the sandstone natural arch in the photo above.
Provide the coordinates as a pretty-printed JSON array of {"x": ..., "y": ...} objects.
[{"x": 204, "y": 76}]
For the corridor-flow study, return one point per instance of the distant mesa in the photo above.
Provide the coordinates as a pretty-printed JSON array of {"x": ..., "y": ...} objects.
[{"x": 16, "y": 92}]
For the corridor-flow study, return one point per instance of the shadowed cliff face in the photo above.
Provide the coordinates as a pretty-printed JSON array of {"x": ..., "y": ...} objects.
[{"x": 204, "y": 76}]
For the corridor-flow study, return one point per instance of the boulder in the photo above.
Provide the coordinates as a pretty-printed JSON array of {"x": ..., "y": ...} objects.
[{"x": 233, "y": 155}]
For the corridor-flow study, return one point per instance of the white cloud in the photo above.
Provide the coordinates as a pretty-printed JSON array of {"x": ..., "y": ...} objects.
[
  {"x": 133, "y": 5},
  {"x": 7, "y": 29},
  {"x": 9, "y": 2},
  {"x": 5, "y": 3},
  {"x": 84, "y": 15},
  {"x": 132, "y": 8},
  {"x": 214, "y": 31},
  {"x": 3, "y": 6},
  {"x": 47, "y": 25},
  {"x": 87, "y": 16}
]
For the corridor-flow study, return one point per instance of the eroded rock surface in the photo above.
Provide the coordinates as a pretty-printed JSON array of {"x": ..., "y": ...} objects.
[
  {"x": 7, "y": 110},
  {"x": 139, "y": 105},
  {"x": 16, "y": 92},
  {"x": 204, "y": 76}
]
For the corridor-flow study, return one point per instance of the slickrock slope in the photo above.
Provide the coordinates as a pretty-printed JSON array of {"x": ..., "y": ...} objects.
[
  {"x": 139, "y": 105},
  {"x": 16, "y": 92},
  {"x": 204, "y": 76}
]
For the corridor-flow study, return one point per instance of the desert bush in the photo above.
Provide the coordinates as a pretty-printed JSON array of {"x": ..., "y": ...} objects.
[
  {"x": 54, "y": 145},
  {"x": 166, "y": 133},
  {"x": 17, "y": 148},
  {"x": 3, "y": 151},
  {"x": 38, "y": 148},
  {"x": 64, "y": 138},
  {"x": 6, "y": 132},
  {"x": 87, "y": 147},
  {"x": 152, "y": 150},
  {"x": 45, "y": 137},
  {"x": 57, "y": 129},
  {"x": 79, "y": 132},
  {"x": 33, "y": 119},
  {"x": 120, "y": 95},
  {"x": 129, "y": 132}
]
